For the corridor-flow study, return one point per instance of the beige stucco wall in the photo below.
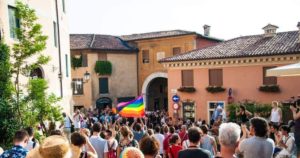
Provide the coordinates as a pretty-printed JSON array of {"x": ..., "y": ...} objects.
[
  {"x": 46, "y": 12},
  {"x": 122, "y": 82}
]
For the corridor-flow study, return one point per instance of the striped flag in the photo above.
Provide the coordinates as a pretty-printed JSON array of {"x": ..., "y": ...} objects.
[{"x": 134, "y": 108}]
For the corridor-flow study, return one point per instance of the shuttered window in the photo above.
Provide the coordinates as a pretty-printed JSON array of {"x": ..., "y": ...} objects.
[
  {"x": 187, "y": 78},
  {"x": 55, "y": 33},
  {"x": 145, "y": 54},
  {"x": 268, "y": 80},
  {"x": 77, "y": 86},
  {"x": 176, "y": 50},
  {"x": 103, "y": 85},
  {"x": 67, "y": 65},
  {"x": 84, "y": 60},
  {"x": 216, "y": 77},
  {"x": 14, "y": 22}
]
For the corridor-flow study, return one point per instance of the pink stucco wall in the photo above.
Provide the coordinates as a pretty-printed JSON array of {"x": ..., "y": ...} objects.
[{"x": 244, "y": 81}]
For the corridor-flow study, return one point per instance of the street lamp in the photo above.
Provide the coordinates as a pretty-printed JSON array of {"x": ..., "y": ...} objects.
[{"x": 87, "y": 76}]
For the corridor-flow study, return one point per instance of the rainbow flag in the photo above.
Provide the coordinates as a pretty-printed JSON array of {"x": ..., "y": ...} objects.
[{"x": 134, "y": 108}]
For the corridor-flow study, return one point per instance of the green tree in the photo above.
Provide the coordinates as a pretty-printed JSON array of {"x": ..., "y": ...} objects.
[
  {"x": 31, "y": 42},
  {"x": 8, "y": 123}
]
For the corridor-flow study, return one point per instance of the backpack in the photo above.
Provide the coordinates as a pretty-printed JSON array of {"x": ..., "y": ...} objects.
[{"x": 111, "y": 152}]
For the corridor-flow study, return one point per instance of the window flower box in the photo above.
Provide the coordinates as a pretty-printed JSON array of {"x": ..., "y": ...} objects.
[
  {"x": 187, "y": 89},
  {"x": 269, "y": 88},
  {"x": 215, "y": 89},
  {"x": 103, "y": 68}
]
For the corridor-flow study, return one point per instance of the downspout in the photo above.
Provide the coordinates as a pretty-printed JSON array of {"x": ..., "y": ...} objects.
[{"x": 59, "y": 50}]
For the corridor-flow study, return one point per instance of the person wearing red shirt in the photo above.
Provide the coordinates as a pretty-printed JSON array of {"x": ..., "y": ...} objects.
[
  {"x": 166, "y": 141},
  {"x": 175, "y": 146},
  {"x": 183, "y": 133}
]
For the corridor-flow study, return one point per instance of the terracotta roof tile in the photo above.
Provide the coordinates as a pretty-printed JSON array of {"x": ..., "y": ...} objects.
[{"x": 246, "y": 46}]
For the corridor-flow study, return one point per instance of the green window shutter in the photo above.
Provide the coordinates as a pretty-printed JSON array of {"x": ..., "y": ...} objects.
[
  {"x": 55, "y": 33},
  {"x": 67, "y": 65},
  {"x": 103, "y": 85},
  {"x": 14, "y": 22}
]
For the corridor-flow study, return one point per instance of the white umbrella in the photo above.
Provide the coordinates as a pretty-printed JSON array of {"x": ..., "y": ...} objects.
[{"x": 287, "y": 70}]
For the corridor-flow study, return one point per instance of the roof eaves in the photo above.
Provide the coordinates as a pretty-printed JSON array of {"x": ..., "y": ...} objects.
[{"x": 140, "y": 39}]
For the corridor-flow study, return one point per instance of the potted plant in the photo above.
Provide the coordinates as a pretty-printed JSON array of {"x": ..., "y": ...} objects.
[
  {"x": 269, "y": 88},
  {"x": 215, "y": 89},
  {"x": 187, "y": 89}
]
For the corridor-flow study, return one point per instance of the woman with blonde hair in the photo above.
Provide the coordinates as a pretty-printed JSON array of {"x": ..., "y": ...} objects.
[
  {"x": 276, "y": 114},
  {"x": 126, "y": 140}
]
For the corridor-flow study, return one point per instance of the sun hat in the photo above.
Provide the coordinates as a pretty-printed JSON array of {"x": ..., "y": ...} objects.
[
  {"x": 52, "y": 147},
  {"x": 131, "y": 152}
]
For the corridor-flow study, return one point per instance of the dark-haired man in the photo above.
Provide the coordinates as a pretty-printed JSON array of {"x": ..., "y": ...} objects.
[
  {"x": 20, "y": 142},
  {"x": 193, "y": 151},
  {"x": 259, "y": 145},
  {"x": 98, "y": 142},
  {"x": 32, "y": 142}
]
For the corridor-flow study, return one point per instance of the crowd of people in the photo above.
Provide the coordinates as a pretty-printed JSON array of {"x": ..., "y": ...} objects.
[{"x": 89, "y": 134}]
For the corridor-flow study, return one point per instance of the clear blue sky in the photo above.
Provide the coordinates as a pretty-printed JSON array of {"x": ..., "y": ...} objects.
[{"x": 227, "y": 18}]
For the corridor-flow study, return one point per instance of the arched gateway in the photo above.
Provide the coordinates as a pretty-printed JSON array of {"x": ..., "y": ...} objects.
[{"x": 155, "y": 91}]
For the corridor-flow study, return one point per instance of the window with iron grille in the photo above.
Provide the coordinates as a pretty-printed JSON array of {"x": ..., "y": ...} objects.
[{"x": 77, "y": 86}]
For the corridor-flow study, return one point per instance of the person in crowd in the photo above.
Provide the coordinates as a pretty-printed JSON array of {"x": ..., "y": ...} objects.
[
  {"x": 286, "y": 142},
  {"x": 274, "y": 132},
  {"x": 20, "y": 141},
  {"x": 243, "y": 114},
  {"x": 110, "y": 149},
  {"x": 166, "y": 141},
  {"x": 150, "y": 147},
  {"x": 258, "y": 145},
  {"x": 66, "y": 125},
  {"x": 217, "y": 112},
  {"x": 131, "y": 152},
  {"x": 1, "y": 150},
  {"x": 276, "y": 114},
  {"x": 77, "y": 120},
  {"x": 229, "y": 136},
  {"x": 208, "y": 142},
  {"x": 193, "y": 151},
  {"x": 56, "y": 132},
  {"x": 32, "y": 142},
  {"x": 78, "y": 141},
  {"x": 126, "y": 140},
  {"x": 160, "y": 138},
  {"x": 150, "y": 132},
  {"x": 175, "y": 146},
  {"x": 183, "y": 133},
  {"x": 52, "y": 147},
  {"x": 138, "y": 129},
  {"x": 296, "y": 116},
  {"x": 97, "y": 142}
]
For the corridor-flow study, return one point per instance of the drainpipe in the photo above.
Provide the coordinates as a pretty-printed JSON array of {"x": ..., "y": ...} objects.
[{"x": 59, "y": 50}]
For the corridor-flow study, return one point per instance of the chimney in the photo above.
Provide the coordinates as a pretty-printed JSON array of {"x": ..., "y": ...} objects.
[
  {"x": 270, "y": 30},
  {"x": 298, "y": 32},
  {"x": 206, "y": 30}
]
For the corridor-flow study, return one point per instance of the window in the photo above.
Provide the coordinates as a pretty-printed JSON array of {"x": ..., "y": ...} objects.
[
  {"x": 77, "y": 86},
  {"x": 64, "y": 5},
  {"x": 187, "y": 78},
  {"x": 14, "y": 22},
  {"x": 67, "y": 65},
  {"x": 84, "y": 60},
  {"x": 103, "y": 85},
  {"x": 55, "y": 33},
  {"x": 176, "y": 50},
  {"x": 145, "y": 54},
  {"x": 268, "y": 80},
  {"x": 216, "y": 77}
]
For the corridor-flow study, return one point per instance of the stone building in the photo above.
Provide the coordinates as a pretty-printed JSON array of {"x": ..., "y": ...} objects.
[
  {"x": 233, "y": 70},
  {"x": 91, "y": 88},
  {"x": 52, "y": 15}
]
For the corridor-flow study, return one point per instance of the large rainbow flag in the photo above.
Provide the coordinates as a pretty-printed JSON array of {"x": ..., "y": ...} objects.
[{"x": 134, "y": 108}]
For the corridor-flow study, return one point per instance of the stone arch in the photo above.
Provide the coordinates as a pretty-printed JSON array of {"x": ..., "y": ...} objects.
[
  {"x": 37, "y": 73},
  {"x": 148, "y": 81}
]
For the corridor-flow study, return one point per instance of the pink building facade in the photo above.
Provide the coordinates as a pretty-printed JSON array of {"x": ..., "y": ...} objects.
[{"x": 238, "y": 64}]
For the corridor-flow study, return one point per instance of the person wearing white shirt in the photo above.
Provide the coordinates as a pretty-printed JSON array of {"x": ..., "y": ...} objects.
[
  {"x": 77, "y": 119},
  {"x": 160, "y": 138},
  {"x": 276, "y": 114}
]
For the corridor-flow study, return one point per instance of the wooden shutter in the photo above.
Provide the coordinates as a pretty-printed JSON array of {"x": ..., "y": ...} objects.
[
  {"x": 103, "y": 85},
  {"x": 84, "y": 60},
  {"x": 187, "y": 78},
  {"x": 145, "y": 54},
  {"x": 176, "y": 50},
  {"x": 216, "y": 77},
  {"x": 268, "y": 80}
]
